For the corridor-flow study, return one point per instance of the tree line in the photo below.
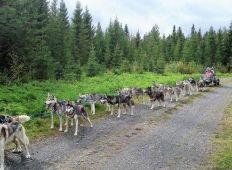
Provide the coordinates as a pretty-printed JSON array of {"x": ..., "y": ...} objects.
[{"x": 38, "y": 41}]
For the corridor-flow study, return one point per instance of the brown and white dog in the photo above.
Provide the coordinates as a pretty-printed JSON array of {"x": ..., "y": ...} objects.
[{"x": 11, "y": 130}]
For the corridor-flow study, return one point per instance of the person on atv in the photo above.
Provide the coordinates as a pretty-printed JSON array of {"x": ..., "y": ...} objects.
[
  {"x": 210, "y": 76},
  {"x": 209, "y": 72}
]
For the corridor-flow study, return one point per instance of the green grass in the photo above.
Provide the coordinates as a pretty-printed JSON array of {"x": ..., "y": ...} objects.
[
  {"x": 221, "y": 159},
  {"x": 29, "y": 98}
]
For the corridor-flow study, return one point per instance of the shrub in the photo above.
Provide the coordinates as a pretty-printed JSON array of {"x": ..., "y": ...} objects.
[
  {"x": 137, "y": 68},
  {"x": 180, "y": 67}
]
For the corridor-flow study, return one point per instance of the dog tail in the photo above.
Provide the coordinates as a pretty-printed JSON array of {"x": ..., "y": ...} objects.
[{"x": 23, "y": 118}]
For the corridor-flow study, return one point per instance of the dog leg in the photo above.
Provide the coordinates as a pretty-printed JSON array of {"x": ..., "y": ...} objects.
[
  {"x": 18, "y": 148},
  {"x": 164, "y": 104},
  {"x": 76, "y": 121},
  {"x": 125, "y": 109},
  {"x": 112, "y": 110},
  {"x": 24, "y": 139},
  {"x": 107, "y": 107},
  {"x": 66, "y": 129},
  {"x": 143, "y": 99},
  {"x": 2, "y": 153},
  {"x": 71, "y": 122},
  {"x": 119, "y": 112},
  {"x": 132, "y": 109},
  {"x": 87, "y": 118},
  {"x": 52, "y": 121},
  {"x": 60, "y": 119},
  {"x": 152, "y": 105},
  {"x": 190, "y": 92},
  {"x": 176, "y": 97},
  {"x": 171, "y": 98},
  {"x": 94, "y": 109},
  {"x": 91, "y": 107}
]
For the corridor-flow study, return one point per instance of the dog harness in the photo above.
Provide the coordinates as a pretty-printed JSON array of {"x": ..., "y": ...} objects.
[{"x": 76, "y": 110}]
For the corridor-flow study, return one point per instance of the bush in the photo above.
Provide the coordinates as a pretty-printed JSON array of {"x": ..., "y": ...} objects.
[
  {"x": 125, "y": 66},
  {"x": 180, "y": 67},
  {"x": 137, "y": 68}
]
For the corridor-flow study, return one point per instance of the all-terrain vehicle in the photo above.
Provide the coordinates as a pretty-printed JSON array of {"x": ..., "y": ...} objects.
[{"x": 209, "y": 77}]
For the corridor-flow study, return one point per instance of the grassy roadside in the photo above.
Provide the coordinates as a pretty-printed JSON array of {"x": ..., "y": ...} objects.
[
  {"x": 29, "y": 98},
  {"x": 221, "y": 158}
]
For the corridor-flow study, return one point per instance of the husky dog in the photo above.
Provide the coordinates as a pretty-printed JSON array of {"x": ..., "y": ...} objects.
[
  {"x": 188, "y": 88},
  {"x": 194, "y": 84},
  {"x": 201, "y": 85},
  {"x": 55, "y": 107},
  {"x": 155, "y": 95},
  {"x": 74, "y": 111},
  {"x": 12, "y": 130},
  {"x": 138, "y": 92},
  {"x": 134, "y": 92},
  {"x": 177, "y": 92},
  {"x": 167, "y": 90},
  {"x": 92, "y": 99},
  {"x": 118, "y": 100},
  {"x": 125, "y": 91}
]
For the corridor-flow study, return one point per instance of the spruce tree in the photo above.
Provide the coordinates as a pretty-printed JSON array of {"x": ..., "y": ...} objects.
[
  {"x": 93, "y": 67},
  {"x": 99, "y": 44}
]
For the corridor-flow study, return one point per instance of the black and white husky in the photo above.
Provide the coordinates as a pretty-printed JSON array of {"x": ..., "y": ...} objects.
[
  {"x": 134, "y": 92},
  {"x": 74, "y": 111},
  {"x": 11, "y": 130},
  {"x": 155, "y": 95},
  {"x": 92, "y": 99},
  {"x": 118, "y": 100},
  {"x": 55, "y": 107}
]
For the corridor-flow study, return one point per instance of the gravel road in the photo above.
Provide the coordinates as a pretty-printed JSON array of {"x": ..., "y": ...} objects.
[{"x": 173, "y": 138}]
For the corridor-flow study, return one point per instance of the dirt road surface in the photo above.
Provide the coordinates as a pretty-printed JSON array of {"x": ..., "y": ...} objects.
[{"x": 176, "y": 137}]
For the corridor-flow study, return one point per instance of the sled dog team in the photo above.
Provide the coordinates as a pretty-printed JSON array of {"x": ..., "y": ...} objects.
[
  {"x": 124, "y": 97},
  {"x": 12, "y": 130}
]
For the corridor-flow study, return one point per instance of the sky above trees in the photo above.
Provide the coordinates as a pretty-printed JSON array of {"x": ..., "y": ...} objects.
[{"x": 143, "y": 14}]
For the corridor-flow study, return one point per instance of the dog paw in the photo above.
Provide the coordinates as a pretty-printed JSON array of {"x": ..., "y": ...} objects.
[
  {"x": 52, "y": 127},
  {"x": 28, "y": 156},
  {"x": 118, "y": 116},
  {"x": 17, "y": 151},
  {"x": 60, "y": 130},
  {"x": 75, "y": 134},
  {"x": 66, "y": 131}
]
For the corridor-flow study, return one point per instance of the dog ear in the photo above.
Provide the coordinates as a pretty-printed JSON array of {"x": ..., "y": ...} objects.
[{"x": 4, "y": 131}]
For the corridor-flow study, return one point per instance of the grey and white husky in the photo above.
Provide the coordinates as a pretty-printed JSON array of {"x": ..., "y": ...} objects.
[
  {"x": 55, "y": 107},
  {"x": 12, "y": 130},
  {"x": 74, "y": 111},
  {"x": 92, "y": 99}
]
